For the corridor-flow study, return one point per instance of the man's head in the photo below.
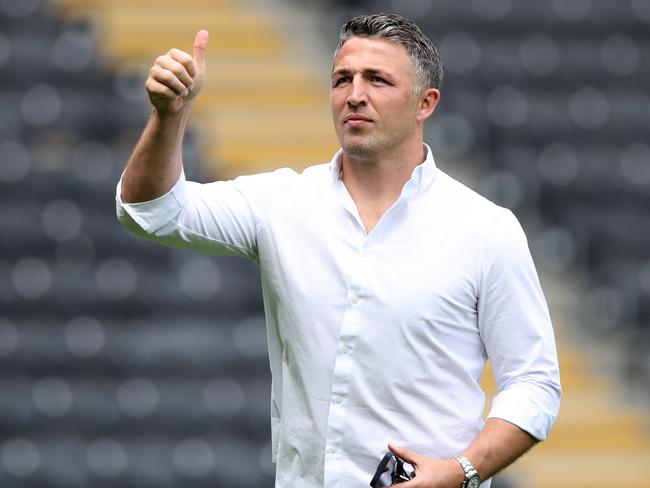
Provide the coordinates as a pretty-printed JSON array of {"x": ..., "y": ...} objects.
[
  {"x": 385, "y": 80},
  {"x": 425, "y": 59}
]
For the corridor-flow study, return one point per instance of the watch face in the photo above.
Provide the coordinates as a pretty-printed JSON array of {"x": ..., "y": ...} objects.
[{"x": 474, "y": 482}]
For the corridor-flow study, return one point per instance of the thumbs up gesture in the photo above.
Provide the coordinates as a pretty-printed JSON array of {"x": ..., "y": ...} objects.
[{"x": 177, "y": 77}]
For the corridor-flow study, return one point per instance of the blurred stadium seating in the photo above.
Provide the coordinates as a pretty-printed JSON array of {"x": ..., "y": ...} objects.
[
  {"x": 121, "y": 363},
  {"x": 126, "y": 364}
]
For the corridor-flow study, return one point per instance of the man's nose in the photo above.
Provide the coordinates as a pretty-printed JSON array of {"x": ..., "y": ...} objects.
[{"x": 357, "y": 95}]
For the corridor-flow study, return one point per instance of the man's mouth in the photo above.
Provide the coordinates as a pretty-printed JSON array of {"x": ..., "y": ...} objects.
[{"x": 356, "y": 120}]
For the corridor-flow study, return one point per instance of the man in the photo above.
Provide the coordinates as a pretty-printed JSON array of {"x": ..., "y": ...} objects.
[{"x": 387, "y": 285}]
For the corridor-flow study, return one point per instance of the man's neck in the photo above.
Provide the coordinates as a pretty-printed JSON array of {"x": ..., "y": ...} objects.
[{"x": 375, "y": 184}]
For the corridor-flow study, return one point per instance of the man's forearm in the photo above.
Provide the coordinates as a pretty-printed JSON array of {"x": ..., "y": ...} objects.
[
  {"x": 498, "y": 445},
  {"x": 156, "y": 162},
  {"x": 174, "y": 81}
]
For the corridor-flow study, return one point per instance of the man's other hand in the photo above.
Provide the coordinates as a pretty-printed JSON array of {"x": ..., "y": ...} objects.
[
  {"x": 430, "y": 472},
  {"x": 177, "y": 77}
]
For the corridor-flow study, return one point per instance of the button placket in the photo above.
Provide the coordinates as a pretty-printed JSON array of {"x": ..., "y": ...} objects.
[{"x": 343, "y": 367}]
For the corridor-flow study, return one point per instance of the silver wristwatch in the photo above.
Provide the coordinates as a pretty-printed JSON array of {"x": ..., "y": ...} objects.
[{"x": 472, "y": 479}]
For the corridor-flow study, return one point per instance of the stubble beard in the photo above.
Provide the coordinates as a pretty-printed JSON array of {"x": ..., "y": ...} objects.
[
  {"x": 361, "y": 149},
  {"x": 373, "y": 146},
  {"x": 368, "y": 144}
]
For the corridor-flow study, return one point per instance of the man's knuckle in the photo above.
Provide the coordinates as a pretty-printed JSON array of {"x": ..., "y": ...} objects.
[
  {"x": 152, "y": 85},
  {"x": 167, "y": 76},
  {"x": 179, "y": 71},
  {"x": 179, "y": 55}
]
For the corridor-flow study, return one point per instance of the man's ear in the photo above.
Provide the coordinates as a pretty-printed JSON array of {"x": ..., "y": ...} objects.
[{"x": 428, "y": 101}]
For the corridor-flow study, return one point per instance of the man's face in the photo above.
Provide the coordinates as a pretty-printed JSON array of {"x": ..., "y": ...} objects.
[{"x": 374, "y": 104}]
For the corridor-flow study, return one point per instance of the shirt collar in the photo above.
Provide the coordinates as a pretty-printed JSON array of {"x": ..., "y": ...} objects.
[{"x": 422, "y": 175}]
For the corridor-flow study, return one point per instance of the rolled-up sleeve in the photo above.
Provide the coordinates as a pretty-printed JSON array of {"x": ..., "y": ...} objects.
[
  {"x": 154, "y": 214},
  {"x": 213, "y": 218},
  {"x": 516, "y": 328}
]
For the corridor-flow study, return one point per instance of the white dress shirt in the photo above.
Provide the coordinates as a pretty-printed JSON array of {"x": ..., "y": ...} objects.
[{"x": 379, "y": 337}]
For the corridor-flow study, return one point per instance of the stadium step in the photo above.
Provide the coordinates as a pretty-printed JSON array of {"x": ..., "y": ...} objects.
[
  {"x": 598, "y": 440},
  {"x": 609, "y": 468},
  {"x": 254, "y": 68}
]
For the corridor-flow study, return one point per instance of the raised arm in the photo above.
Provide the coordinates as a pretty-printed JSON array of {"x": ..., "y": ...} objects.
[{"x": 174, "y": 81}]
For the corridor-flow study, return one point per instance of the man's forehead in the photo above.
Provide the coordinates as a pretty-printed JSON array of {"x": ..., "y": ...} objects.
[{"x": 373, "y": 50}]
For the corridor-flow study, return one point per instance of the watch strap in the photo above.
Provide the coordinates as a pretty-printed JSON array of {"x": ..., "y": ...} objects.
[{"x": 468, "y": 468}]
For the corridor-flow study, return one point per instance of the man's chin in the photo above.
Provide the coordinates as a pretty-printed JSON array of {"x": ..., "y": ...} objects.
[{"x": 359, "y": 150}]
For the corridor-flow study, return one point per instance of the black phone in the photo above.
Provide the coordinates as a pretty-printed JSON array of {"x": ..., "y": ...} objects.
[{"x": 390, "y": 471}]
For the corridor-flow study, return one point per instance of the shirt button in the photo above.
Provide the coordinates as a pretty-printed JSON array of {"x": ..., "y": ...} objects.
[
  {"x": 338, "y": 400},
  {"x": 331, "y": 450},
  {"x": 346, "y": 350},
  {"x": 354, "y": 300}
]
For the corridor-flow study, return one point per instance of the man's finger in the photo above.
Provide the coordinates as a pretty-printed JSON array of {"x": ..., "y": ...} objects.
[
  {"x": 200, "y": 46},
  {"x": 168, "y": 79},
  {"x": 177, "y": 69},
  {"x": 187, "y": 60},
  {"x": 159, "y": 90},
  {"x": 404, "y": 453}
]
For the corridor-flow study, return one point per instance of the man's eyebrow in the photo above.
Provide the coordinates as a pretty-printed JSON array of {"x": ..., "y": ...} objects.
[
  {"x": 369, "y": 71},
  {"x": 340, "y": 71}
]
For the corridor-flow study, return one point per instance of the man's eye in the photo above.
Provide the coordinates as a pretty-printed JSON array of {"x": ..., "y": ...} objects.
[
  {"x": 341, "y": 80},
  {"x": 377, "y": 79}
]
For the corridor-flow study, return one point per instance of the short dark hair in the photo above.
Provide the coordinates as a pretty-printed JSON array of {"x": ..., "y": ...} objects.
[{"x": 424, "y": 55}]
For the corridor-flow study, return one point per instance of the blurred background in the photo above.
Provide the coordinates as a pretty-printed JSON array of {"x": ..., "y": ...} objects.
[{"x": 125, "y": 364}]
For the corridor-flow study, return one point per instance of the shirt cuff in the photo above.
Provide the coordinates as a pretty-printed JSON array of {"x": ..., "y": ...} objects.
[
  {"x": 518, "y": 406},
  {"x": 153, "y": 214}
]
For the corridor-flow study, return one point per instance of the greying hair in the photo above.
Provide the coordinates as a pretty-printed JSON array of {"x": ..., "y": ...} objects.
[{"x": 424, "y": 55}]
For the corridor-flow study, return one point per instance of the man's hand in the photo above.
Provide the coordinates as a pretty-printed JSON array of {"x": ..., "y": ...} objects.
[
  {"x": 429, "y": 472},
  {"x": 177, "y": 77}
]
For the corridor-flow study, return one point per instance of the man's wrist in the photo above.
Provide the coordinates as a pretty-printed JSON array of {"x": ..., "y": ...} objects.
[
  {"x": 168, "y": 116},
  {"x": 457, "y": 471}
]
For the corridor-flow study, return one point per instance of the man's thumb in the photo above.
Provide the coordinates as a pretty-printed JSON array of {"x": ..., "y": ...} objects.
[{"x": 200, "y": 46}]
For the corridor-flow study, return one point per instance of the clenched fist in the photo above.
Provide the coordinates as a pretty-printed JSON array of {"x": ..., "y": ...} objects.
[{"x": 177, "y": 77}]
